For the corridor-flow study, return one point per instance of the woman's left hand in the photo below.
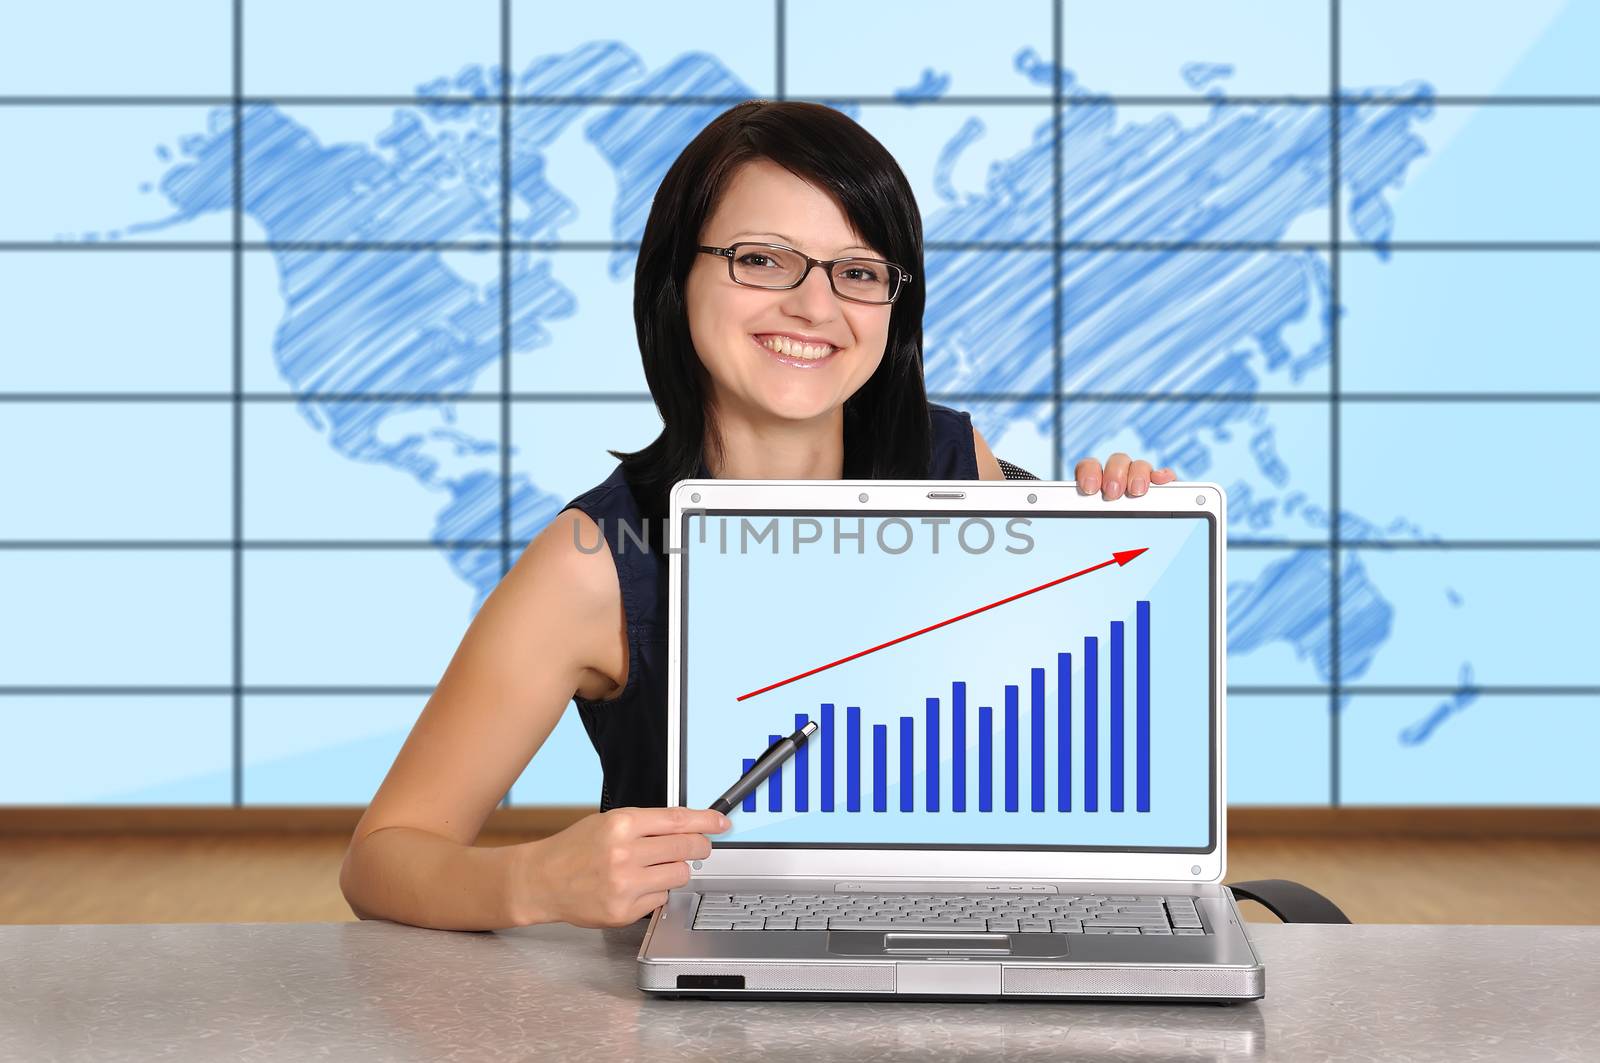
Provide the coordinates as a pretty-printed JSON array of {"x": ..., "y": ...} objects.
[{"x": 1120, "y": 474}]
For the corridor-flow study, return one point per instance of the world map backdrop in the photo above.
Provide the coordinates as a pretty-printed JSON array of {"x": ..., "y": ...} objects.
[{"x": 310, "y": 319}]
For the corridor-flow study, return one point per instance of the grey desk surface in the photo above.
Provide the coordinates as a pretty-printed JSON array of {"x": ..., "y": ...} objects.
[{"x": 375, "y": 990}]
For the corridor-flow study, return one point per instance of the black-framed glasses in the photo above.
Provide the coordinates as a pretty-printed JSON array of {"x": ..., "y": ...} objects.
[{"x": 778, "y": 267}]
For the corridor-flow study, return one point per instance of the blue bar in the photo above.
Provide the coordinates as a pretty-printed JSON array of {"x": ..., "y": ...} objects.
[
  {"x": 985, "y": 759},
  {"x": 802, "y": 777},
  {"x": 1091, "y": 724},
  {"x": 827, "y": 756},
  {"x": 907, "y": 781},
  {"x": 933, "y": 754},
  {"x": 1011, "y": 747},
  {"x": 775, "y": 782},
  {"x": 1037, "y": 744},
  {"x": 1116, "y": 716},
  {"x": 852, "y": 758},
  {"x": 1142, "y": 710},
  {"x": 880, "y": 767},
  {"x": 1064, "y": 732},
  {"x": 749, "y": 798},
  {"x": 958, "y": 746}
]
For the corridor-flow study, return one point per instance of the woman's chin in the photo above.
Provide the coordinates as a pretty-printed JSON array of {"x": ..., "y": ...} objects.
[{"x": 797, "y": 403}]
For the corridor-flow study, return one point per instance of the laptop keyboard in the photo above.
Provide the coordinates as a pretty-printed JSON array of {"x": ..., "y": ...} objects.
[{"x": 1034, "y": 913}]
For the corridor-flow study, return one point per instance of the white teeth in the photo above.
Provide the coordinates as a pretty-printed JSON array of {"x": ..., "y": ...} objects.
[{"x": 794, "y": 349}]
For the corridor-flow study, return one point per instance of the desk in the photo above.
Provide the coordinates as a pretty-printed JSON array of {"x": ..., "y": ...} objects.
[{"x": 382, "y": 991}]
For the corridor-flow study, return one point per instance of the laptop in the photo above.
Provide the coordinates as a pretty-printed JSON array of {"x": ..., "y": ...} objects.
[{"x": 1016, "y": 786}]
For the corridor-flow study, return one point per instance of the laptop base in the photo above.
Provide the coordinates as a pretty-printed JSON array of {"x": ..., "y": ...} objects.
[{"x": 1219, "y": 967}]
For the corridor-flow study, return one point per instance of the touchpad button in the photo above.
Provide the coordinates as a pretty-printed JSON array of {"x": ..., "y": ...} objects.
[{"x": 914, "y": 941}]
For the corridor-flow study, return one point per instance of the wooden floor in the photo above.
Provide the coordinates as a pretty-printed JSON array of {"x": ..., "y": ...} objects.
[{"x": 254, "y": 878}]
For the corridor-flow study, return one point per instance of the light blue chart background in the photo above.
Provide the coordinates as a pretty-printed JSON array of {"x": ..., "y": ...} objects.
[
  {"x": 757, "y": 617},
  {"x": 236, "y": 554}
]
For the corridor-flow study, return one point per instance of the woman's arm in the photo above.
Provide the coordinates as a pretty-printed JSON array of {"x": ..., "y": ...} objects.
[{"x": 552, "y": 626}]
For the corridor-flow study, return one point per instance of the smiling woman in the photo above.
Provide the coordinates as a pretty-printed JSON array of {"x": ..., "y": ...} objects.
[{"x": 778, "y": 302}]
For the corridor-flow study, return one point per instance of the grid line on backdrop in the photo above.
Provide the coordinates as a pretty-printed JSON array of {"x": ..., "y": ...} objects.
[
  {"x": 1241, "y": 543},
  {"x": 1335, "y": 584},
  {"x": 505, "y": 305},
  {"x": 865, "y": 99},
  {"x": 1448, "y": 398},
  {"x": 1336, "y": 100},
  {"x": 236, "y": 178},
  {"x": 1057, "y": 309},
  {"x": 1245, "y": 689},
  {"x": 555, "y": 246}
]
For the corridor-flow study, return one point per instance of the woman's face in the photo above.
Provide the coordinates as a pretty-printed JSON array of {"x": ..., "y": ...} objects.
[{"x": 729, "y": 322}]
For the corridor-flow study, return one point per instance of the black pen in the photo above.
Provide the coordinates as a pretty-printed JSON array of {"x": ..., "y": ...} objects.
[{"x": 765, "y": 765}]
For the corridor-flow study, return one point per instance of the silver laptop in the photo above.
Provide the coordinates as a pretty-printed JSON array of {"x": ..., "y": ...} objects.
[{"x": 1016, "y": 786}]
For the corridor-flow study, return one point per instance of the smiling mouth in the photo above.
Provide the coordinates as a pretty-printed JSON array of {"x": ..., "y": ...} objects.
[{"x": 789, "y": 352}]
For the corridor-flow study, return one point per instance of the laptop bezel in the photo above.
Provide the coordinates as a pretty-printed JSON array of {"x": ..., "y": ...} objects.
[{"x": 906, "y": 496}]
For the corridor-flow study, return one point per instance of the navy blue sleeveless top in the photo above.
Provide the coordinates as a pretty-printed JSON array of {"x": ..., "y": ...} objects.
[{"x": 629, "y": 729}]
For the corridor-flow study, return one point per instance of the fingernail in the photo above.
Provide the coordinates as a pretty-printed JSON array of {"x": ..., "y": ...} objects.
[
  {"x": 726, "y": 823},
  {"x": 1091, "y": 485},
  {"x": 1137, "y": 487},
  {"x": 1112, "y": 487}
]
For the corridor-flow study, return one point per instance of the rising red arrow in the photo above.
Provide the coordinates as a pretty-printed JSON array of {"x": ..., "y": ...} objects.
[{"x": 1118, "y": 557}]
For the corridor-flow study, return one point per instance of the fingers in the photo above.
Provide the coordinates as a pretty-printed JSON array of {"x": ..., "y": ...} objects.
[
  {"x": 640, "y": 822},
  {"x": 646, "y": 904},
  {"x": 670, "y": 848},
  {"x": 1121, "y": 475},
  {"x": 1138, "y": 477},
  {"x": 1087, "y": 475},
  {"x": 661, "y": 877},
  {"x": 1116, "y": 475}
]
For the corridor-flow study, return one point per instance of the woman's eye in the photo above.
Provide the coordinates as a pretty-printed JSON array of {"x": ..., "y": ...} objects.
[
  {"x": 868, "y": 275},
  {"x": 745, "y": 258}
]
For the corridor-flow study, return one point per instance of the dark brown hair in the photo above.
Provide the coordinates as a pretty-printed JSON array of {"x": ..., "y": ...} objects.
[{"x": 886, "y": 422}]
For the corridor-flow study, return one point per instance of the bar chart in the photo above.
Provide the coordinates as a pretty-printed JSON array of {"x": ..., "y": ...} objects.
[{"x": 943, "y": 736}]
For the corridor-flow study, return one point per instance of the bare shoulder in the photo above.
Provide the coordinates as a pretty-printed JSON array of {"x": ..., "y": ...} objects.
[
  {"x": 570, "y": 562},
  {"x": 988, "y": 464},
  {"x": 572, "y": 552}
]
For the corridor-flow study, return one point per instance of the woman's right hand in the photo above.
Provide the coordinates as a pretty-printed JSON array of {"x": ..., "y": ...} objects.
[{"x": 611, "y": 868}]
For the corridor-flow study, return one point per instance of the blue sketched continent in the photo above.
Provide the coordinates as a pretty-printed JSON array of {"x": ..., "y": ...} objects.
[{"x": 395, "y": 323}]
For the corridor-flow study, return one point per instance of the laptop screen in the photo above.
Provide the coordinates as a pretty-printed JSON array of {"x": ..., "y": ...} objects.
[{"x": 978, "y": 679}]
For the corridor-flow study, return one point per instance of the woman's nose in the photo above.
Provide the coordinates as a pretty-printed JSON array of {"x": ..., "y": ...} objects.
[{"x": 814, "y": 298}]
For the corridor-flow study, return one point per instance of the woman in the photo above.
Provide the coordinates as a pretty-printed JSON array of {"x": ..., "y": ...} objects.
[{"x": 759, "y": 371}]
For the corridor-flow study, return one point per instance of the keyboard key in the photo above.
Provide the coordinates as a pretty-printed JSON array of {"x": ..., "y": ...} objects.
[
  {"x": 712, "y": 924},
  {"x": 748, "y": 924},
  {"x": 1188, "y": 930}
]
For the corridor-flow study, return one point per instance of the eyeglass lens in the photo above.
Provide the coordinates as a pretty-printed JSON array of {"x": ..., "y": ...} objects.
[{"x": 771, "y": 266}]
